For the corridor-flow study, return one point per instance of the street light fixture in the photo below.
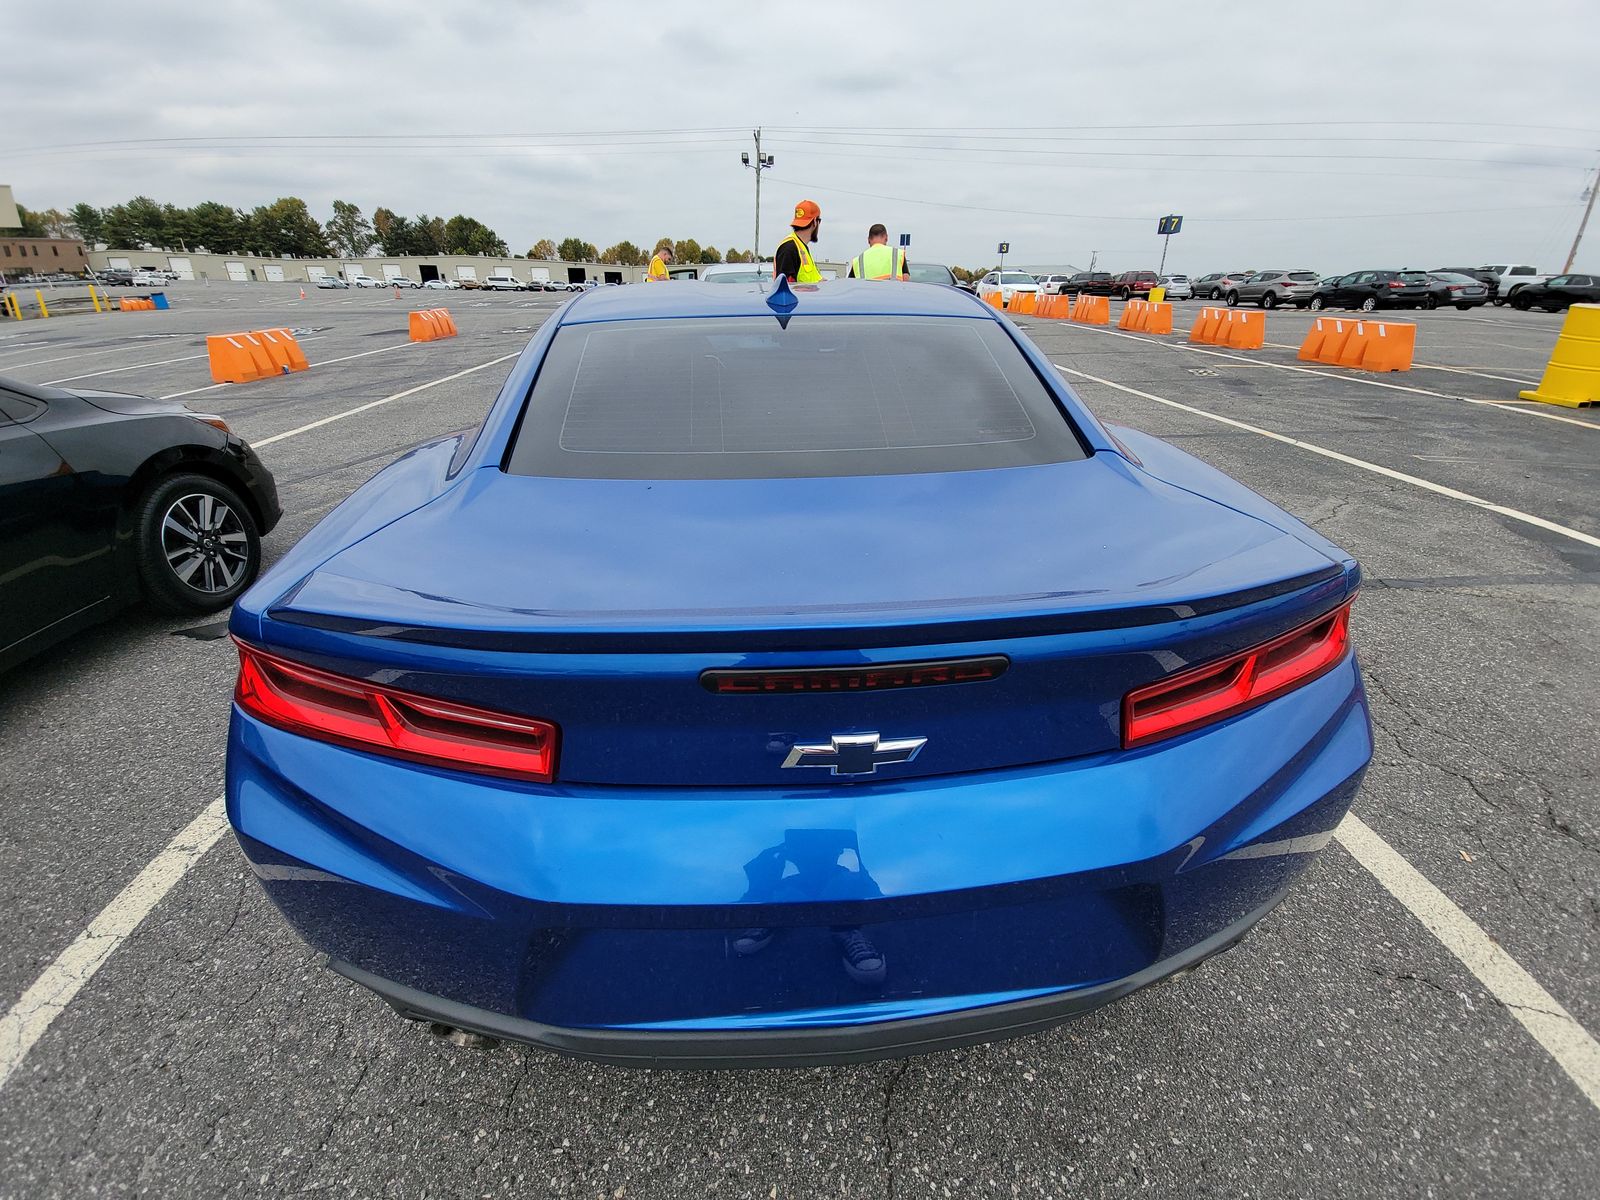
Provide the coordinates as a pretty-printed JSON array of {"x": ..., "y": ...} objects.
[{"x": 763, "y": 163}]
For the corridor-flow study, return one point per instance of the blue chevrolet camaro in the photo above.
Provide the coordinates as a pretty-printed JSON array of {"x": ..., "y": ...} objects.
[{"x": 784, "y": 679}]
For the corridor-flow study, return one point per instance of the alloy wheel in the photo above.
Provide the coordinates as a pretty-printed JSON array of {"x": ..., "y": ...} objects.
[{"x": 204, "y": 542}]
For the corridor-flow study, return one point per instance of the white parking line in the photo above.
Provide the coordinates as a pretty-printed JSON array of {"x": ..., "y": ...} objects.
[
  {"x": 40, "y": 362},
  {"x": 1426, "y": 484},
  {"x": 42, "y": 1003},
  {"x": 1343, "y": 378},
  {"x": 115, "y": 370},
  {"x": 140, "y": 366},
  {"x": 1552, "y": 1026},
  {"x": 361, "y": 408},
  {"x": 26, "y": 1021},
  {"x": 328, "y": 362}
]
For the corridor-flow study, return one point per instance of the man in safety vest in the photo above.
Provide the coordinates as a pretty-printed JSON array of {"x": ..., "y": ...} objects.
[
  {"x": 879, "y": 260},
  {"x": 657, "y": 271},
  {"x": 793, "y": 257}
]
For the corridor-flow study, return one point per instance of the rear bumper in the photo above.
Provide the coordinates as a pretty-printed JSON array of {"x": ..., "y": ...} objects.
[
  {"x": 610, "y": 922},
  {"x": 805, "y": 1046}
]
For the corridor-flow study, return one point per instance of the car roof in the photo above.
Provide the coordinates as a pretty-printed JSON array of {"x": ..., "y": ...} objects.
[{"x": 831, "y": 298}]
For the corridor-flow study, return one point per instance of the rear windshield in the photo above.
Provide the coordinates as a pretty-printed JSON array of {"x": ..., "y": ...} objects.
[
  {"x": 1306, "y": 276},
  {"x": 1413, "y": 277},
  {"x": 747, "y": 398},
  {"x": 929, "y": 273}
]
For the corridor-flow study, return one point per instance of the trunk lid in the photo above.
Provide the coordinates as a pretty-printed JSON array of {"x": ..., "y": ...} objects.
[{"x": 598, "y": 604}]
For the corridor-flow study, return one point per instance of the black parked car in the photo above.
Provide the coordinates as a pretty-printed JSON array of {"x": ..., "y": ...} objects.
[
  {"x": 1368, "y": 290},
  {"x": 1558, "y": 293},
  {"x": 107, "y": 499},
  {"x": 1450, "y": 287},
  {"x": 115, "y": 277},
  {"x": 1088, "y": 283}
]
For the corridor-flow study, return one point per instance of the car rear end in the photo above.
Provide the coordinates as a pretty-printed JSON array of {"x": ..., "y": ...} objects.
[
  {"x": 1295, "y": 287},
  {"x": 1178, "y": 287},
  {"x": 1461, "y": 291},
  {"x": 1403, "y": 289},
  {"x": 577, "y": 736}
]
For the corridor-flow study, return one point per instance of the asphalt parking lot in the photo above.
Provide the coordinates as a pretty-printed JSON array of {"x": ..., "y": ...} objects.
[{"x": 1342, "y": 1050}]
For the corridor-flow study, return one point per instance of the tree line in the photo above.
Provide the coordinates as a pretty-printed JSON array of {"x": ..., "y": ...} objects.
[
  {"x": 286, "y": 226},
  {"x": 627, "y": 254}
]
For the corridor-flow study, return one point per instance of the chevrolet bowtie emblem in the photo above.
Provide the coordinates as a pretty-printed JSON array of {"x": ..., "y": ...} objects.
[{"x": 855, "y": 753}]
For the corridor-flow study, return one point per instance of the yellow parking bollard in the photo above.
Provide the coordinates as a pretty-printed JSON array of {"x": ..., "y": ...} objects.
[
  {"x": 94, "y": 299},
  {"x": 43, "y": 311},
  {"x": 13, "y": 309},
  {"x": 1572, "y": 376}
]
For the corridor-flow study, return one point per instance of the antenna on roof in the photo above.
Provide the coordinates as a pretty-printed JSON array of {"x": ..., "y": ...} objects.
[{"x": 781, "y": 299}]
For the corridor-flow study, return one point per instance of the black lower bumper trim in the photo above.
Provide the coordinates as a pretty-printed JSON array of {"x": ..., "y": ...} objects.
[{"x": 804, "y": 1047}]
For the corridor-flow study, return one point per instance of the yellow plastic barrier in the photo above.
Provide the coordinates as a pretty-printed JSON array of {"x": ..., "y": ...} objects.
[
  {"x": 1157, "y": 295},
  {"x": 1572, "y": 376}
]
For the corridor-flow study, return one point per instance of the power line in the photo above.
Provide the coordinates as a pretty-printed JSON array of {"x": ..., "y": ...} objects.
[{"x": 1146, "y": 218}]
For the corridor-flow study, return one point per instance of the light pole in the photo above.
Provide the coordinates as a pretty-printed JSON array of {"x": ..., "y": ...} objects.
[{"x": 763, "y": 162}]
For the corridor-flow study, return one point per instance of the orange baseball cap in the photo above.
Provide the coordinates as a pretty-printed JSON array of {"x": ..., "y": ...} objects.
[{"x": 805, "y": 212}]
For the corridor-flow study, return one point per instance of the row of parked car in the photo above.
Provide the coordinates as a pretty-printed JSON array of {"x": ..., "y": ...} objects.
[
  {"x": 1455, "y": 287},
  {"x": 495, "y": 283}
]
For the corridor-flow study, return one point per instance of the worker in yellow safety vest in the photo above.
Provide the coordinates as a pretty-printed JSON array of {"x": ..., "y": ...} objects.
[
  {"x": 879, "y": 260},
  {"x": 793, "y": 256},
  {"x": 659, "y": 261}
]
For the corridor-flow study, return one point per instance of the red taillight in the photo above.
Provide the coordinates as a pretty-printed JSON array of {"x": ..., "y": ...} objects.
[
  {"x": 1454, "y": 287},
  {"x": 1395, "y": 283},
  {"x": 366, "y": 716},
  {"x": 1221, "y": 689}
]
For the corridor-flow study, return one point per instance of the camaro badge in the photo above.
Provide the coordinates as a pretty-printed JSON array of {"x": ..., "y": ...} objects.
[{"x": 855, "y": 753}]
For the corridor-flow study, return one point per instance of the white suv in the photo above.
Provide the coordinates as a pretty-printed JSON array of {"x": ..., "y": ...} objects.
[{"x": 362, "y": 281}]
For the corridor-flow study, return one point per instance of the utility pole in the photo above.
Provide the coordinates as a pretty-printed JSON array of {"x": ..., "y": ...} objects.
[
  {"x": 762, "y": 163},
  {"x": 1093, "y": 254},
  {"x": 1594, "y": 186}
]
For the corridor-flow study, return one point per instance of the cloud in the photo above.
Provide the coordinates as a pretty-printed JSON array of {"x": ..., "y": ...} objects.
[{"x": 1264, "y": 124}]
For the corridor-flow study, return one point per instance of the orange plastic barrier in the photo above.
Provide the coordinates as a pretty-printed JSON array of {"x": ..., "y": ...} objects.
[
  {"x": 237, "y": 358},
  {"x": 1096, "y": 310},
  {"x": 283, "y": 350},
  {"x": 1204, "y": 329},
  {"x": 425, "y": 326},
  {"x": 1355, "y": 345},
  {"x": 1158, "y": 317},
  {"x": 1389, "y": 346},
  {"x": 1336, "y": 331},
  {"x": 1132, "y": 315},
  {"x": 1315, "y": 336},
  {"x": 136, "y": 304},
  {"x": 1049, "y": 306},
  {"x": 1247, "y": 330},
  {"x": 1024, "y": 303}
]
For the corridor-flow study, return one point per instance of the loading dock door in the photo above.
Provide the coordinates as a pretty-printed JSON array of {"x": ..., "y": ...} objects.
[
  {"x": 575, "y": 275},
  {"x": 274, "y": 274},
  {"x": 238, "y": 272},
  {"x": 182, "y": 267},
  {"x": 428, "y": 271}
]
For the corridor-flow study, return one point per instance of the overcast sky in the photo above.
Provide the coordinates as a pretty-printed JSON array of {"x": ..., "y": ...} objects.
[{"x": 1437, "y": 132}]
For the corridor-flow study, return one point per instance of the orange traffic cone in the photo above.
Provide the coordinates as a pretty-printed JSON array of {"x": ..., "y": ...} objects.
[
  {"x": 302, "y": 293},
  {"x": 397, "y": 293}
]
